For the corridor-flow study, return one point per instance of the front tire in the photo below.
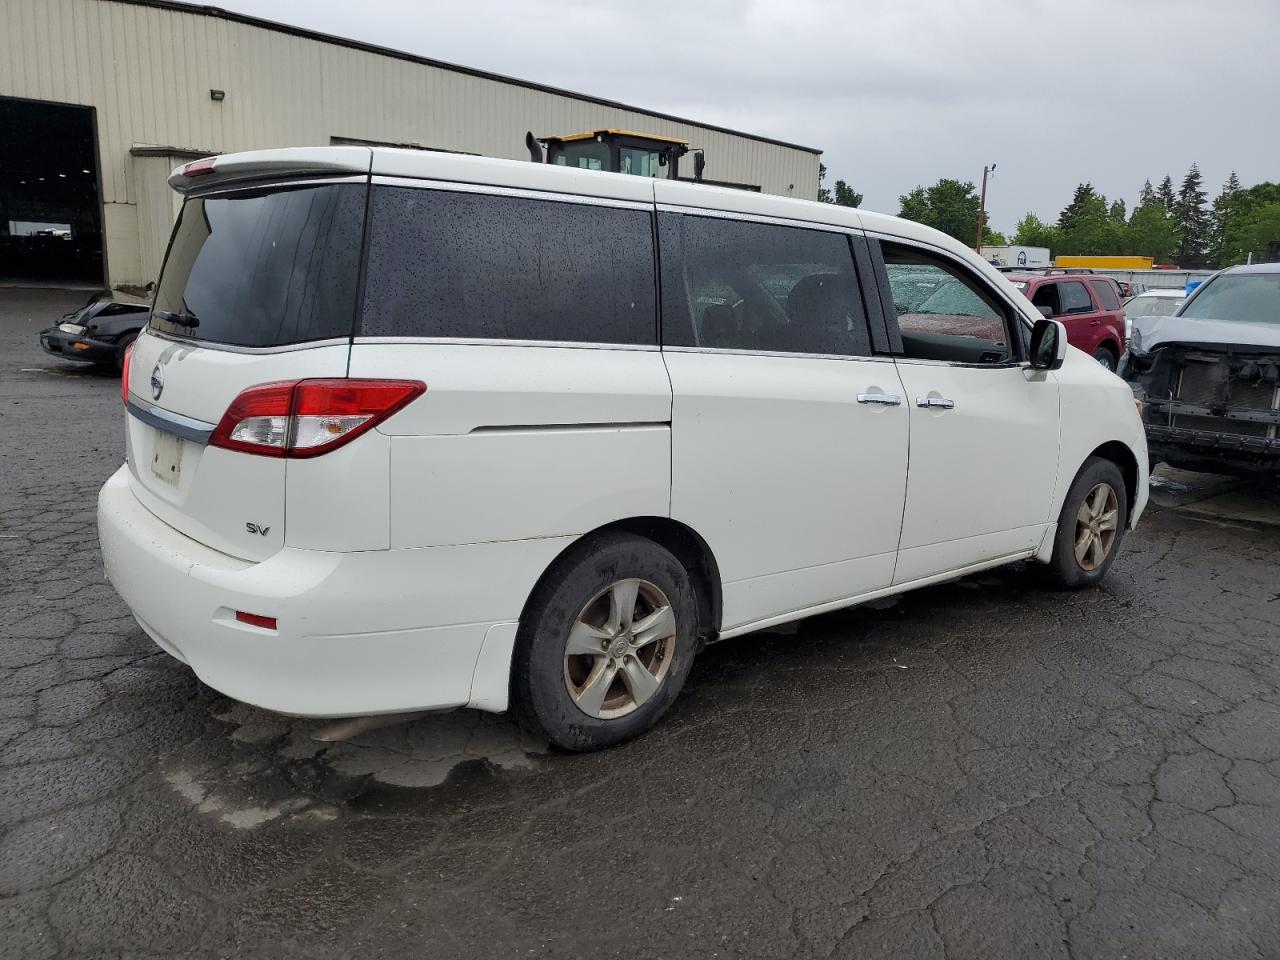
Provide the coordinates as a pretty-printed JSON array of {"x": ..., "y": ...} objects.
[
  {"x": 1090, "y": 526},
  {"x": 605, "y": 644},
  {"x": 1106, "y": 357}
]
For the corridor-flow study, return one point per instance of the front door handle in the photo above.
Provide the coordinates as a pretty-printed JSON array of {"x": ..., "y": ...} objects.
[
  {"x": 941, "y": 403},
  {"x": 885, "y": 399}
]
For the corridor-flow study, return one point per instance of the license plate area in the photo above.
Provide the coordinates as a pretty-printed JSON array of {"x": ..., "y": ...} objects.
[{"x": 166, "y": 458}]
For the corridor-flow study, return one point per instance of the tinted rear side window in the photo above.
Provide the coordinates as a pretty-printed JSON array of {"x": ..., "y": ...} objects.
[
  {"x": 471, "y": 265},
  {"x": 264, "y": 268},
  {"x": 1106, "y": 294},
  {"x": 738, "y": 285},
  {"x": 1075, "y": 298}
]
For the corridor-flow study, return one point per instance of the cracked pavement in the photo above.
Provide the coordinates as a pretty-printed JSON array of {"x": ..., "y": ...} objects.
[{"x": 985, "y": 769}]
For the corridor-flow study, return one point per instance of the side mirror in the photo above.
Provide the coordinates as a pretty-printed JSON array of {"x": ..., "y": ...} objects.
[
  {"x": 1048, "y": 344},
  {"x": 1045, "y": 311}
]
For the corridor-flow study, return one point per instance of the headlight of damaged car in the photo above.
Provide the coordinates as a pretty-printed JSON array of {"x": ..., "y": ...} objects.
[{"x": 74, "y": 329}]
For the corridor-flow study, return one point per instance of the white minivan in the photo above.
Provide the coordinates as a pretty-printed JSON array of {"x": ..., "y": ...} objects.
[{"x": 412, "y": 430}]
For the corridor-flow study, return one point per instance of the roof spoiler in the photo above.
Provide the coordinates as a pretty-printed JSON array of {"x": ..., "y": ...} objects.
[{"x": 289, "y": 163}]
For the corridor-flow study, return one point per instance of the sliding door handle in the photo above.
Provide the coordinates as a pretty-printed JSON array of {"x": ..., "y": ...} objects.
[
  {"x": 884, "y": 399},
  {"x": 938, "y": 403}
]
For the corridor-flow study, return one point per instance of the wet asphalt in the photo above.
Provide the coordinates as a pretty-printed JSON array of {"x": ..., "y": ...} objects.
[{"x": 985, "y": 769}]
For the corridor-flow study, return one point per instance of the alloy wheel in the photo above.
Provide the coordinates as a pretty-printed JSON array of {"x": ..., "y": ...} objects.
[
  {"x": 1096, "y": 523},
  {"x": 620, "y": 649}
]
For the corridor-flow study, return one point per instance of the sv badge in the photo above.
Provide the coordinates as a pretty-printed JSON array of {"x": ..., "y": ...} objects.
[{"x": 254, "y": 528}]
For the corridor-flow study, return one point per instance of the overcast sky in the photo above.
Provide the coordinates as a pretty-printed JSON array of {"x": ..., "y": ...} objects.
[{"x": 895, "y": 92}]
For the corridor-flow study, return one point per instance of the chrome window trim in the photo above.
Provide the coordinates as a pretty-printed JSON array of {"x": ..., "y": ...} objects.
[
  {"x": 780, "y": 354},
  {"x": 507, "y": 342},
  {"x": 187, "y": 428},
  {"x": 236, "y": 348},
  {"x": 923, "y": 361},
  {"x": 250, "y": 184},
  {"x": 456, "y": 186},
  {"x": 757, "y": 218}
]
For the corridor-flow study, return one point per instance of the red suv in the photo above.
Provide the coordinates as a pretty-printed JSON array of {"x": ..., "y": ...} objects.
[{"x": 1088, "y": 306}]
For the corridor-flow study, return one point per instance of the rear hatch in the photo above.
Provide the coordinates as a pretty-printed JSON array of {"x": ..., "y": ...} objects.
[{"x": 259, "y": 285}]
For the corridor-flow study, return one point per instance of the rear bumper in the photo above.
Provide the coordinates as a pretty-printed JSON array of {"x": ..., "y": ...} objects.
[
  {"x": 379, "y": 631},
  {"x": 56, "y": 343}
]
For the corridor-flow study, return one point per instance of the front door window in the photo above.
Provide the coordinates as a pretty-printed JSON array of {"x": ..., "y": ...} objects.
[{"x": 942, "y": 313}]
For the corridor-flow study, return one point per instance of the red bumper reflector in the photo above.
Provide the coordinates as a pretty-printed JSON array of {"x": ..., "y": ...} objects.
[{"x": 255, "y": 620}]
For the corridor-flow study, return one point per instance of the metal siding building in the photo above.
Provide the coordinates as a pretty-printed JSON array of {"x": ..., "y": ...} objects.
[{"x": 147, "y": 68}]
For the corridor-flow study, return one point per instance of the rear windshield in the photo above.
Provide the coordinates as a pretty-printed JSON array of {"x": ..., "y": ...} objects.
[
  {"x": 264, "y": 268},
  {"x": 1243, "y": 297}
]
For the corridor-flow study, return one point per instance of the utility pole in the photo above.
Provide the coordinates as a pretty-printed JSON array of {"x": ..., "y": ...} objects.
[{"x": 982, "y": 207}]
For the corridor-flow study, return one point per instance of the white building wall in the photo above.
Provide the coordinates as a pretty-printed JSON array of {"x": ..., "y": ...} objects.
[{"x": 148, "y": 71}]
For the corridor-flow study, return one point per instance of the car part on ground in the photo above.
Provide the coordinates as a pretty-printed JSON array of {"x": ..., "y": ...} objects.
[{"x": 98, "y": 333}]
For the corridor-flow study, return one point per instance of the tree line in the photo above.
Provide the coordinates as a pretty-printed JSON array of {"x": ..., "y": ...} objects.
[
  {"x": 1170, "y": 226},
  {"x": 1178, "y": 227}
]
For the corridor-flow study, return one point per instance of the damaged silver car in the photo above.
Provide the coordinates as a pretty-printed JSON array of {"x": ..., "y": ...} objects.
[{"x": 1208, "y": 379}]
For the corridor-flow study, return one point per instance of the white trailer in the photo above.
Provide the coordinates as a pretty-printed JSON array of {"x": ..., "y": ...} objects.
[{"x": 1016, "y": 256}]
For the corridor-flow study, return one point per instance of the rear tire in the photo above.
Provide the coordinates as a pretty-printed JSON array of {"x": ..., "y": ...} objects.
[
  {"x": 605, "y": 644},
  {"x": 1106, "y": 357},
  {"x": 1090, "y": 527}
]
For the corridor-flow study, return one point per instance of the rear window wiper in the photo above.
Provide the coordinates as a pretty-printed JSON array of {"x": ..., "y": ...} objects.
[{"x": 181, "y": 319}]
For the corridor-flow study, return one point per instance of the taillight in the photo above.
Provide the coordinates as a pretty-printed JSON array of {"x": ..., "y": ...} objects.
[
  {"x": 124, "y": 371},
  {"x": 305, "y": 418}
]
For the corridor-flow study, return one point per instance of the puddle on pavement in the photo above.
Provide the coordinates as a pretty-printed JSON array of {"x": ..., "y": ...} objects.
[{"x": 273, "y": 768}]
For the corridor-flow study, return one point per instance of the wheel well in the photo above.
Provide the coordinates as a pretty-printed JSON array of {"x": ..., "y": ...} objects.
[
  {"x": 1122, "y": 457},
  {"x": 1112, "y": 347},
  {"x": 689, "y": 548}
]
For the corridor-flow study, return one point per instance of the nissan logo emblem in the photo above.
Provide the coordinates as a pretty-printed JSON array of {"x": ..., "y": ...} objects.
[{"x": 157, "y": 382}]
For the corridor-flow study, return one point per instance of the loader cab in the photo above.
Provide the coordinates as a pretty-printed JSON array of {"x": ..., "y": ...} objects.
[{"x": 616, "y": 151}]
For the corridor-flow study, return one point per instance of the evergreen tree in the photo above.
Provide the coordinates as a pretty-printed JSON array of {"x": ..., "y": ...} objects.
[
  {"x": 846, "y": 196},
  {"x": 824, "y": 193},
  {"x": 1192, "y": 220},
  {"x": 1146, "y": 194},
  {"x": 1166, "y": 195},
  {"x": 1252, "y": 222},
  {"x": 1084, "y": 196},
  {"x": 1086, "y": 225},
  {"x": 1222, "y": 218},
  {"x": 1118, "y": 213}
]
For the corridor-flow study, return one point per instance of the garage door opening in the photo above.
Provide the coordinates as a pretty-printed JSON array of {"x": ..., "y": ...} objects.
[{"x": 50, "y": 209}]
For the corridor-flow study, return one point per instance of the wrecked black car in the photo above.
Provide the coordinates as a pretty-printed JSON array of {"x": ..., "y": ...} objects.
[
  {"x": 1208, "y": 378},
  {"x": 99, "y": 332}
]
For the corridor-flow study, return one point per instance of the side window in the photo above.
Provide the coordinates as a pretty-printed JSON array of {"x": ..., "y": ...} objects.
[
  {"x": 1106, "y": 294},
  {"x": 1075, "y": 298},
  {"x": 451, "y": 264},
  {"x": 738, "y": 285},
  {"x": 943, "y": 312},
  {"x": 1046, "y": 295}
]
